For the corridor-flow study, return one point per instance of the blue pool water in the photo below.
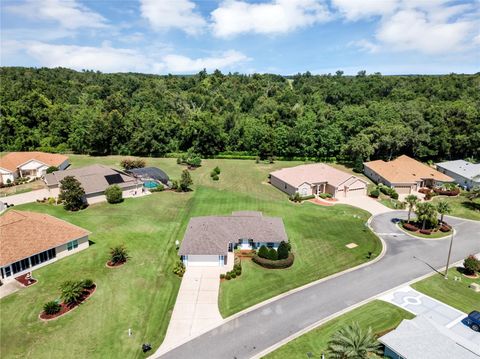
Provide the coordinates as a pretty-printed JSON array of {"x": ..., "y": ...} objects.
[{"x": 150, "y": 184}]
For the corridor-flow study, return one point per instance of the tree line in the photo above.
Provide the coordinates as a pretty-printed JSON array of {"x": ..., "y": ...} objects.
[{"x": 322, "y": 117}]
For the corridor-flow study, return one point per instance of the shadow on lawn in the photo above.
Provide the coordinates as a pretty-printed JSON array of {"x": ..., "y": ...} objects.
[{"x": 471, "y": 205}]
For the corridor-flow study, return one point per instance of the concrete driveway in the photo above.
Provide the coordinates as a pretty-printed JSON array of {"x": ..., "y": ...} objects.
[
  {"x": 196, "y": 308},
  {"x": 27, "y": 197},
  {"x": 366, "y": 203},
  {"x": 253, "y": 332},
  {"x": 440, "y": 313}
]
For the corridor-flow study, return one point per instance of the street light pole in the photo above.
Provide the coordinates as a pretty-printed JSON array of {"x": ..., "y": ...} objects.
[{"x": 448, "y": 258}]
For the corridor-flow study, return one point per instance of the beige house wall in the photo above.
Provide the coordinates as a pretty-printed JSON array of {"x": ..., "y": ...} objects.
[{"x": 282, "y": 186}]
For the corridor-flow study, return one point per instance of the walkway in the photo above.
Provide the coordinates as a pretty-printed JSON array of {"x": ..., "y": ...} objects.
[
  {"x": 196, "y": 308},
  {"x": 254, "y": 331},
  {"x": 440, "y": 313}
]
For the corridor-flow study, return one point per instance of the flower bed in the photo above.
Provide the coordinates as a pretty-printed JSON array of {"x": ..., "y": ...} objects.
[
  {"x": 274, "y": 264},
  {"x": 110, "y": 264},
  {"x": 410, "y": 227},
  {"x": 65, "y": 308},
  {"x": 444, "y": 192}
]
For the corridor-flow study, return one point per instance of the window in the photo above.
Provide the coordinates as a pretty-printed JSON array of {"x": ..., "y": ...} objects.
[
  {"x": 8, "y": 271},
  {"x": 270, "y": 245},
  {"x": 285, "y": 186},
  {"x": 72, "y": 245}
]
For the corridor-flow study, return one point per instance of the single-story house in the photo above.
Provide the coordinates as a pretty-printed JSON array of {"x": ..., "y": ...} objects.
[
  {"x": 404, "y": 174},
  {"x": 421, "y": 338},
  {"x": 95, "y": 179},
  {"x": 466, "y": 174},
  {"x": 313, "y": 179},
  {"x": 208, "y": 240},
  {"x": 31, "y": 240},
  {"x": 29, "y": 164},
  {"x": 149, "y": 174}
]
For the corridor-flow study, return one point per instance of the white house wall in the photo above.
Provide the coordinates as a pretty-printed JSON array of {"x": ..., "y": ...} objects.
[
  {"x": 459, "y": 179},
  {"x": 197, "y": 260}
]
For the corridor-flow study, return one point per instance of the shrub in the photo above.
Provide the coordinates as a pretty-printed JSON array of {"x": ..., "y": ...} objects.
[
  {"x": 159, "y": 188},
  {"x": 272, "y": 254},
  {"x": 52, "y": 169},
  {"x": 51, "y": 200},
  {"x": 394, "y": 195},
  {"x": 426, "y": 231},
  {"x": 282, "y": 251},
  {"x": 118, "y": 254},
  {"x": 130, "y": 163},
  {"x": 87, "y": 283},
  {"x": 278, "y": 264},
  {"x": 410, "y": 227},
  {"x": 215, "y": 178},
  {"x": 51, "y": 307},
  {"x": 233, "y": 274},
  {"x": 375, "y": 193},
  {"x": 263, "y": 252},
  {"x": 325, "y": 195},
  {"x": 185, "y": 181},
  {"x": 227, "y": 276},
  {"x": 72, "y": 291},
  {"x": 179, "y": 268},
  {"x": 174, "y": 184},
  {"x": 114, "y": 194},
  {"x": 471, "y": 264},
  {"x": 304, "y": 198},
  {"x": 295, "y": 197},
  {"x": 222, "y": 276},
  {"x": 257, "y": 159},
  {"x": 217, "y": 170}
]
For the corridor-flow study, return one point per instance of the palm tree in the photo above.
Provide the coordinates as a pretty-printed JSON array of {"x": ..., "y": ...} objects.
[
  {"x": 426, "y": 212},
  {"x": 353, "y": 342},
  {"x": 118, "y": 254},
  {"x": 72, "y": 291},
  {"x": 443, "y": 208},
  {"x": 411, "y": 200}
]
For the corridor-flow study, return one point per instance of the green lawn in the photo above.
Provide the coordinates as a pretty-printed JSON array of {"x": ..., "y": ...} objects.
[
  {"x": 141, "y": 294},
  {"x": 455, "y": 293},
  {"x": 462, "y": 206},
  {"x": 379, "y": 315}
]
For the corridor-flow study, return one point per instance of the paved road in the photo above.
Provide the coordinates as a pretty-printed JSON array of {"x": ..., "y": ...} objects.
[{"x": 405, "y": 259}]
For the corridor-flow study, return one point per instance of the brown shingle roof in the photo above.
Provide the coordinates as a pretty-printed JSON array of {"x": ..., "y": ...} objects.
[
  {"x": 94, "y": 178},
  {"x": 13, "y": 160},
  {"x": 211, "y": 235},
  {"x": 404, "y": 169},
  {"x": 313, "y": 173},
  {"x": 23, "y": 234}
]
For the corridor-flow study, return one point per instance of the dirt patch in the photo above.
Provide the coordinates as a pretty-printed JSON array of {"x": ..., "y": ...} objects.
[
  {"x": 65, "y": 308},
  {"x": 109, "y": 264}
]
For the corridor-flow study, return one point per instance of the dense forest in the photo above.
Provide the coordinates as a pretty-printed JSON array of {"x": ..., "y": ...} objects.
[{"x": 323, "y": 117}]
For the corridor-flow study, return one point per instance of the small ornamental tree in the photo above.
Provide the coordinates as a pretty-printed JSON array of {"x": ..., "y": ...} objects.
[
  {"x": 185, "y": 181},
  {"x": 282, "y": 250},
  {"x": 114, "y": 194},
  {"x": 52, "y": 169},
  {"x": 72, "y": 291},
  {"x": 263, "y": 252},
  {"x": 471, "y": 265},
  {"x": 272, "y": 254},
  {"x": 118, "y": 254},
  {"x": 71, "y": 193},
  {"x": 217, "y": 170}
]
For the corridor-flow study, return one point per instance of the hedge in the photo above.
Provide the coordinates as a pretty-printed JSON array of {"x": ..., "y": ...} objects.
[
  {"x": 410, "y": 227},
  {"x": 426, "y": 231},
  {"x": 450, "y": 193},
  {"x": 278, "y": 264}
]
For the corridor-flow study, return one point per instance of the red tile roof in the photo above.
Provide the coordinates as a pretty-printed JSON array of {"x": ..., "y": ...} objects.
[{"x": 13, "y": 160}]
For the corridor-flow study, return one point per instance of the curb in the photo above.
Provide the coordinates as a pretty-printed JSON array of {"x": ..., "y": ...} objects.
[
  {"x": 426, "y": 238},
  {"x": 346, "y": 310}
]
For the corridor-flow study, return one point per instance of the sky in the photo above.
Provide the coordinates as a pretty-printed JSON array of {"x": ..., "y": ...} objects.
[{"x": 270, "y": 36}]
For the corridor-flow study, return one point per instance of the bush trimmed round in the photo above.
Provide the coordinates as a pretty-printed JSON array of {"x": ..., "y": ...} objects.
[{"x": 278, "y": 264}]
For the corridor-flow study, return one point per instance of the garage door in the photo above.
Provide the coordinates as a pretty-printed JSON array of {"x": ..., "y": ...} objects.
[
  {"x": 202, "y": 261},
  {"x": 356, "y": 192},
  {"x": 402, "y": 189}
]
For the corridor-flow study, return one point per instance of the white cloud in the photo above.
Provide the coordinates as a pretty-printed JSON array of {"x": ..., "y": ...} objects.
[
  {"x": 365, "y": 45},
  {"x": 183, "y": 64},
  {"x": 278, "y": 16},
  {"x": 415, "y": 30},
  {"x": 69, "y": 13},
  {"x": 110, "y": 59},
  {"x": 357, "y": 9},
  {"x": 166, "y": 14}
]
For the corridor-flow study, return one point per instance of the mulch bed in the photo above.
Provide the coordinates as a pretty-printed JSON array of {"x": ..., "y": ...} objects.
[
  {"x": 321, "y": 202},
  {"x": 109, "y": 264},
  {"x": 24, "y": 281},
  {"x": 65, "y": 308}
]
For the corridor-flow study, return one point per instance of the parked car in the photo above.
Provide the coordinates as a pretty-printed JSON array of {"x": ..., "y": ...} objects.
[{"x": 473, "y": 320}]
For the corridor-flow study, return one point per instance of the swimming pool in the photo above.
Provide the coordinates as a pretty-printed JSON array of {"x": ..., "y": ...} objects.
[{"x": 150, "y": 184}]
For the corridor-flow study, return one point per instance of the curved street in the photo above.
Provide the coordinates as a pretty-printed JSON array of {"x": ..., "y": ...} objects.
[{"x": 406, "y": 258}]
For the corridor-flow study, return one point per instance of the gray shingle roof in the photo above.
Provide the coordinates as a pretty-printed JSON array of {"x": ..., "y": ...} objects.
[
  {"x": 462, "y": 168},
  {"x": 211, "y": 235},
  {"x": 422, "y": 338},
  {"x": 94, "y": 178}
]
